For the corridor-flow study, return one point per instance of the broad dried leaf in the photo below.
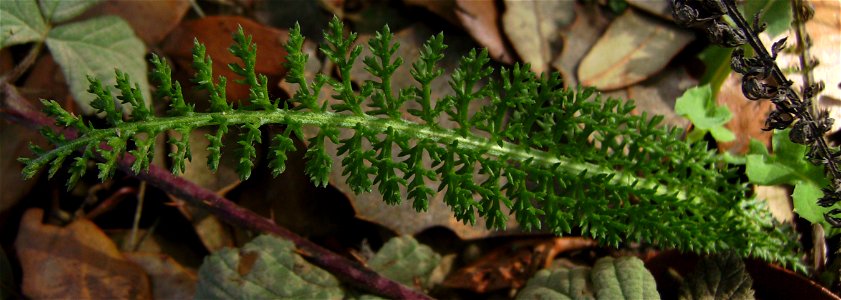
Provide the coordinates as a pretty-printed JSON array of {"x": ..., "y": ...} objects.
[
  {"x": 404, "y": 260},
  {"x": 215, "y": 32},
  {"x": 169, "y": 279},
  {"x": 579, "y": 37},
  {"x": 94, "y": 48},
  {"x": 718, "y": 277},
  {"x": 75, "y": 262},
  {"x": 265, "y": 268},
  {"x": 779, "y": 201},
  {"x": 657, "y": 95},
  {"x": 533, "y": 27},
  {"x": 480, "y": 19},
  {"x": 660, "y": 8},
  {"x": 151, "y": 20},
  {"x": 21, "y": 22},
  {"x": 632, "y": 49}
]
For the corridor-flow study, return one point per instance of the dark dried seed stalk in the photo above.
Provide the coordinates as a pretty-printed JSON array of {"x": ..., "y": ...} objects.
[{"x": 763, "y": 79}]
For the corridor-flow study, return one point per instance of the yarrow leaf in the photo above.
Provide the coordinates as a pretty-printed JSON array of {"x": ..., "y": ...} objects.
[{"x": 556, "y": 159}]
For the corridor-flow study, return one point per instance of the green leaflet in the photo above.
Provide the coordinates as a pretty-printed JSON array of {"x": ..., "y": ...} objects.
[
  {"x": 788, "y": 165},
  {"x": 611, "y": 278},
  {"x": 698, "y": 105},
  {"x": 556, "y": 158},
  {"x": 404, "y": 260}
]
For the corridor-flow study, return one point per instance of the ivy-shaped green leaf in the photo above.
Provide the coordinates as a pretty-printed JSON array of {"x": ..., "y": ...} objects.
[
  {"x": 21, "y": 22},
  {"x": 698, "y": 105}
]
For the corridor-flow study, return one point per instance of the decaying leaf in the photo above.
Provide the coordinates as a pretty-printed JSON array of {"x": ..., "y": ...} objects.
[
  {"x": 75, "y": 262},
  {"x": 404, "y": 260},
  {"x": 265, "y": 268},
  {"x": 510, "y": 266},
  {"x": 579, "y": 37},
  {"x": 480, "y": 19},
  {"x": 632, "y": 49},
  {"x": 748, "y": 116},
  {"x": 718, "y": 277},
  {"x": 533, "y": 27}
]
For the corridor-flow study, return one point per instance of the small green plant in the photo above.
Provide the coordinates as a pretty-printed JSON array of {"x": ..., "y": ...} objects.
[{"x": 555, "y": 158}]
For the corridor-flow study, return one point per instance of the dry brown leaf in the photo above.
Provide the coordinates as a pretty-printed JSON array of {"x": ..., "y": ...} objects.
[
  {"x": 480, "y": 18},
  {"x": 75, "y": 262},
  {"x": 578, "y": 38},
  {"x": 657, "y": 94},
  {"x": 633, "y": 48},
  {"x": 169, "y": 279},
  {"x": 151, "y": 20},
  {"x": 748, "y": 116},
  {"x": 215, "y": 32},
  {"x": 778, "y": 199},
  {"x": 533, "y": 27},
  {"x": 510, "y": 266}
]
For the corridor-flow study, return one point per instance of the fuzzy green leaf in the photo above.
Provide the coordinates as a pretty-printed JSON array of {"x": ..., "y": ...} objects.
[
  {"x": 22, "y": 22},
  {"x": 265, "y": 268},
  {"x": 623, "y": 278},
  {"x": 404, "y": 260},
  {"x": 558, "y": 284},
  {"x": 718, "y": 277},
  {"x": 698, "y": 105},
  {"x": 94, "y": 48}
]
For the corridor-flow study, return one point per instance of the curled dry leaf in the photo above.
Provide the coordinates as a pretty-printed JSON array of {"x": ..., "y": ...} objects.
[
  {"x": 633, "y": 48},
  {"x": 75, "y": 262},
  {"x": 533, "y": 27},
  {"x": 480, "y": 19},
  {"x": 215, "y": 32}
]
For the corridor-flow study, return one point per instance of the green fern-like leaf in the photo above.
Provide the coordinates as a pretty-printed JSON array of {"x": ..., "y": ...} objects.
[{"x": 557, "y": 159}]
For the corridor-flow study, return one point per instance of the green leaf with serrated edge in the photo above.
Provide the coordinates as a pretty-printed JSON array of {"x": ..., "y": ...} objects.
[
  {"x": 265, "y": 268},
  {"x": 623, "y": 278},
  {"x": 62, "y": 10},
  {"x": 718, "y": 277},
  {"x": 95, "y": 48},
  {"x": 788, "y": 165},
  {"x": 698, "y": 105},
  {"x": 21, "y": 22},
  {"x": 404, "y": 260}
]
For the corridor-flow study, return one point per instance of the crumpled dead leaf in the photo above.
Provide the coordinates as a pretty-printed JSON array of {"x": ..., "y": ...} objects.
[
  {"x": 633, "y": 48},
  {"x": 75, "y": 262},
  {"x": 510, "y": 266}
]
